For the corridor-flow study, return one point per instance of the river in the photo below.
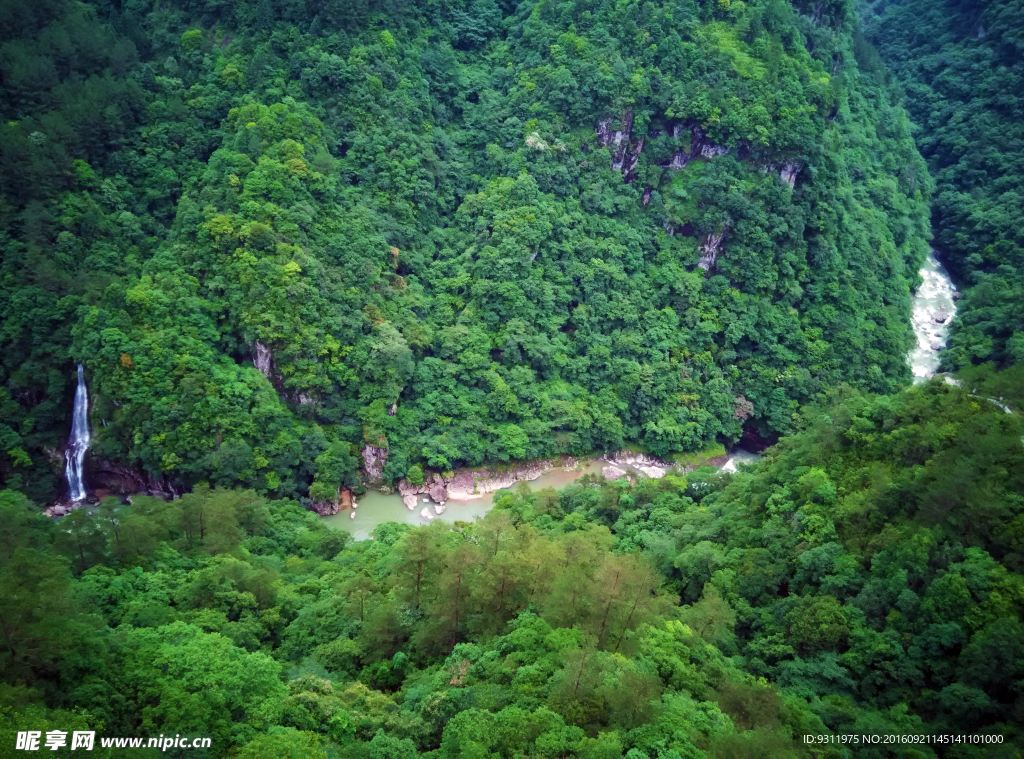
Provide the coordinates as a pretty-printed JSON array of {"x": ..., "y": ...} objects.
[
  {"x": 375, "y": 508},
  {"x": 932, "y": 315}
]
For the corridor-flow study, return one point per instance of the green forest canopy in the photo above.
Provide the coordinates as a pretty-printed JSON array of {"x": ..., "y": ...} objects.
[
  {"x": 463, "y": 233},
  {"x": 864, "y": 578},
  {"x": 962, "y": 67},
  {"x": 275, "y": 233}
]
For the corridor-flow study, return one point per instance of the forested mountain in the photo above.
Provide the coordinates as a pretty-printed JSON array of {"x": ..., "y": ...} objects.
[
  {"x": 318, "y": 245},
  {"x": 276, "y": 233},
  {"x": 864, "y": 579},
  {"x": 962, "y": 65}
]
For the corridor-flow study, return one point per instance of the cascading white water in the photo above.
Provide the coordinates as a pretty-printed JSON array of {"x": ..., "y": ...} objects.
[
  {"x": 933, "y": 312},
  {"x": 78, "y": 443}
]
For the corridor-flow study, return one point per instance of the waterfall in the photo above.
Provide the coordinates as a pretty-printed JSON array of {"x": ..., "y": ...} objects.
[{"x": 78, "y": 444}]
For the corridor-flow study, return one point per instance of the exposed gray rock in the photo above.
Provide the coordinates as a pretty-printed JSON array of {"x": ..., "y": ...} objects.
[
  {"x": 634, "y": 459},
  {"x": 438, "y": 492},
  {"x": 325, "y": 508},
  {"x": 374, "y": 459},
  {"x": 700, "y": 145},
  {"x": 263, "y": 360},
  {"x": 120, "y": 479},
  {"x": 632, "y": 159},
  {"x": 709, "y": 249},
  {"x": 406, "y": 488},
  {"x": 620, "y": 139},
  {"x": 612, "y": 472},
  {"x": 410, "y": 501},
  {"x": 467, "y": 484},
  {"x": 788, "y": 173},
  {"x": 63, "y": 508},
  {"x": 642, "y": 463},
  {"x": 710, "y": 150},
  {"x": 654, "y": 472}
]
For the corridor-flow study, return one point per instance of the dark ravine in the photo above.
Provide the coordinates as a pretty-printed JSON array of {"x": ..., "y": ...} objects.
[{"x": 109, "y": 478}]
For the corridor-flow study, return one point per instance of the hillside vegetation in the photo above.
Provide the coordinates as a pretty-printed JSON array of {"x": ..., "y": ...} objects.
[
  {"x": 962, "y": 66},
  {"x": 275, "y": 234},
  {"x": 864, "y": 578}
]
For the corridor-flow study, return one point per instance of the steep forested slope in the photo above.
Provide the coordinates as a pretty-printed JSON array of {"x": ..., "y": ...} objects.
[
  {"x": 275, "y": 234},
  {"x": 864, "y": 579},
  {"x": 962, "y": 64}
]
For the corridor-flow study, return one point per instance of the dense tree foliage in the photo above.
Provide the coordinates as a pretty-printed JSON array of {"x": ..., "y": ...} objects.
[
  {"x": 469, "y": 232},
  {"x": 477, "y": 231},
  {"x": 962, "y": 64},
  {"x": 866, "y": 577}
]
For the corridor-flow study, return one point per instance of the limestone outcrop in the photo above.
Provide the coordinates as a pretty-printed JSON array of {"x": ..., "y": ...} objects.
[
  {"x": 263, "y": 360},
  {"x": 374, "y": 459},
  {"x": 788, "y": 174},
  {"x": 709, "y": 250},
  {"x": 468, "y": 484}
]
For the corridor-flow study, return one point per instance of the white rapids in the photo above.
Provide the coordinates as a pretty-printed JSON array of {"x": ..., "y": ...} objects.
[{"x": 933, "y": 310}]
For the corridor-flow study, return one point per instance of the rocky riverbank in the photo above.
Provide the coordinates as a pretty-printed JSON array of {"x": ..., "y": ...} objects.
[
  {"x": 642, "y": 463},
  {"x": 345, "y": 500},
  {"x": 468, "y": 484}
]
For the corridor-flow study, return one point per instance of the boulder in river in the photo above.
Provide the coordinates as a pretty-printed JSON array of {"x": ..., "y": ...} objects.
[
  {"x": 654, "y": 472},
  {"x": 438, "y": 492},
  {"x": 612, "y": 472}
]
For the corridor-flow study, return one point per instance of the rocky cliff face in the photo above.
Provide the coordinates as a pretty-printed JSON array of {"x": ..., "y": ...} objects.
[
  {"x": 263, "y": 360},
  {"x": 626, "y": 150},
  {"x": 107, "y": 478},
  {"x": 701, "y": 146},
  {"x": 788, "y": 173},
  {"x": 625, "y": 153},
  {"x": 118, "y": 479},
  {"x": 709, "y": 250},
  {"x": 374, "y": 459}
]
